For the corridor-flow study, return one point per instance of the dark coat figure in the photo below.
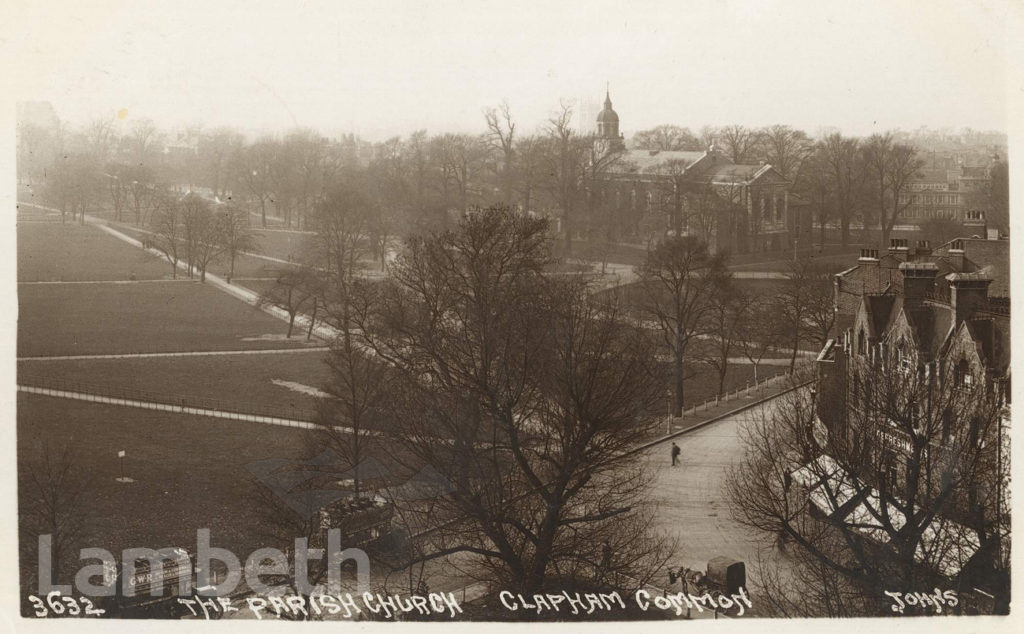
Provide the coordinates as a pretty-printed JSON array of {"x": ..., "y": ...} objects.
[{"x": 675, "y": 454}]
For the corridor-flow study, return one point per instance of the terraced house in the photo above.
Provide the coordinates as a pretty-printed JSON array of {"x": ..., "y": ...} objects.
[{"x": 912, "y": 411}]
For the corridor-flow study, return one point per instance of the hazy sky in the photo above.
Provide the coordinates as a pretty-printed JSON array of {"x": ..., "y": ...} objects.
[{"x": 382, "y": 68}]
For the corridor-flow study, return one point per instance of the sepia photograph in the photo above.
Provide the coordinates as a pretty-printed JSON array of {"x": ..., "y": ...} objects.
[{"x": 506, "y": 312}]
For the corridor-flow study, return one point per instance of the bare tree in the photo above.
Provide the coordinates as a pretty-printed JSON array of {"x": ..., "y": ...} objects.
[
  {"x": 795, "y": 299},
  {"x": 667, "y": 138},
  {"x": 351, "y": 417},
  {"x": 678, "y": 282},
  {"x": 53, "y": 500},
  {"x": 236, "y": 235},
  {"x": 342, "y": 224},
  {"x": 741, "y": 144},
  {"x": 168, "y": 228},
  {"x": 729, "y": 309},
  {"x": 816, "y": 181},
  {"x": 820, "y": 314},
  {"x": 141, "y": 188},
  {"x": 522, "y": 393},
  {"x": 216, "y": 150},
  {"x": 903, "y": 166},
  {"x": 886, "y": 495},
  {"x": 760, "y": 331},
  {"x": 203, "y": 234},
  {"x": 255, "y": 170},
  {"x": 564, "y": 161},
  {"x": 844, "y": 165},
  {"x": 785, "y": 149},
  {"x": 294, "y": 290},
  {"x": 528, "y": 170},
  {"x": 501, "y": 139}
]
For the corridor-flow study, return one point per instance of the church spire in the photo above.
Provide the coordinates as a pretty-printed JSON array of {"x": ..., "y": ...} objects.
[{"x": 607, "y": 97}]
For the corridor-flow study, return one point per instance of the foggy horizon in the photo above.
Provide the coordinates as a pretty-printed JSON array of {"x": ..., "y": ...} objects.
[{"x": 382, "y": 72}]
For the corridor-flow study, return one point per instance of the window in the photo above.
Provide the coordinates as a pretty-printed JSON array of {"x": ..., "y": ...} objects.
[
  {"x": 962, "y": 374},
  {"x": 862, "y": 343},
  {"x": 903, "y": 356}
]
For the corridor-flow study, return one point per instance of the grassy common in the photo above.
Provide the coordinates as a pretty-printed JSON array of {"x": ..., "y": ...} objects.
[
  {"x": 190, "y": 472},
  {"x": 54, "y": 251},
  {"x": 236, "y": 382},
  {"x": 73, "y": 319}
]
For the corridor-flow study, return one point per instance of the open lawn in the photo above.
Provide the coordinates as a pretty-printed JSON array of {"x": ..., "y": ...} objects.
[
  {"x": 73, "y": 319},
  {"x": 284, "y": 244},
  {"x": 53, "y": 251},
  {"x": 189, "y": 472},
  {"x": 701, "y": 383},
  {"x": 236, "y": 382}
]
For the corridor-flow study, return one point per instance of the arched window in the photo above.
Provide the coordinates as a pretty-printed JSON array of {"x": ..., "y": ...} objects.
[
  {"x": 862, "y": 343},
  {"x": 903, "y": 355},
  {"x": 962, "y": 374}
]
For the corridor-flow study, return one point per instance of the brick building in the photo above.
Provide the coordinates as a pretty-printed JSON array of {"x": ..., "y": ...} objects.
[{"x": 937, "y": 323}]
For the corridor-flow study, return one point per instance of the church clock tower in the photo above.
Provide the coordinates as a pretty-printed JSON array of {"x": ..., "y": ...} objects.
[{"x": 608, "y": 126}]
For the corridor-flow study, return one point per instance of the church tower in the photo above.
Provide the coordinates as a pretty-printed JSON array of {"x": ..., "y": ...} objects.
[{"x": 608, "y": 125}]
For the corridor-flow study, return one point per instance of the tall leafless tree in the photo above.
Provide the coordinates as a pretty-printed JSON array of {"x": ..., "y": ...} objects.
[
  {"x": 678, "y": 283},
  {"x": 522, "y": 393}
]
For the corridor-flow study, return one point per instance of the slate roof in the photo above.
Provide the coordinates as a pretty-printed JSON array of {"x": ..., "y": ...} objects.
[
  {"x": 653, "y": 161},
  {"x": 880, "y": 312}
]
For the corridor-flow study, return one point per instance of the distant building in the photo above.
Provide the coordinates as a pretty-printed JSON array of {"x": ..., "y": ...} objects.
[
  {"x": 644, "y": 194},
  {"x": 946, "y": 192},
  {"x": 39, "y": 114}
]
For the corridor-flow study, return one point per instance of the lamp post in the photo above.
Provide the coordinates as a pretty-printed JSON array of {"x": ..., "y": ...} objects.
[{"x": 668, "y": 411}]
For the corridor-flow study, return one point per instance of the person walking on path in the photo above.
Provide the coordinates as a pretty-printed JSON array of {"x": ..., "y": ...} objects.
[{"x": 675, "y": 454}]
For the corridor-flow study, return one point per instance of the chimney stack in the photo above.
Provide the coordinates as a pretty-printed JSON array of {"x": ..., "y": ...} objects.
[
  {"x": 967, "y": 293},
  {"x": 975, "y": 224},
  {"x": 918, "y": 280},
  {"x": 898, "y": 248},
  {"x": 868, "y": 256},
  {"x": 955, "y": 254},
  {"x": 924, "y": 248}
]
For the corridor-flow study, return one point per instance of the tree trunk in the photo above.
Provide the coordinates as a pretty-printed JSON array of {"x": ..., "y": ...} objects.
[
  {"x": 312, "y": 320},
  {"x": 796, "y": 344},
  {"x": 677, "y": 376}
]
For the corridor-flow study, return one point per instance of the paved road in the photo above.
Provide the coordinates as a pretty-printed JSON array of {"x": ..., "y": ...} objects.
[{"x": 691, "y": 500}]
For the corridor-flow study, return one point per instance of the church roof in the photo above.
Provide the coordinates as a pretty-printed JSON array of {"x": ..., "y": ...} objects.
[{"x": 655, "y": 161}]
